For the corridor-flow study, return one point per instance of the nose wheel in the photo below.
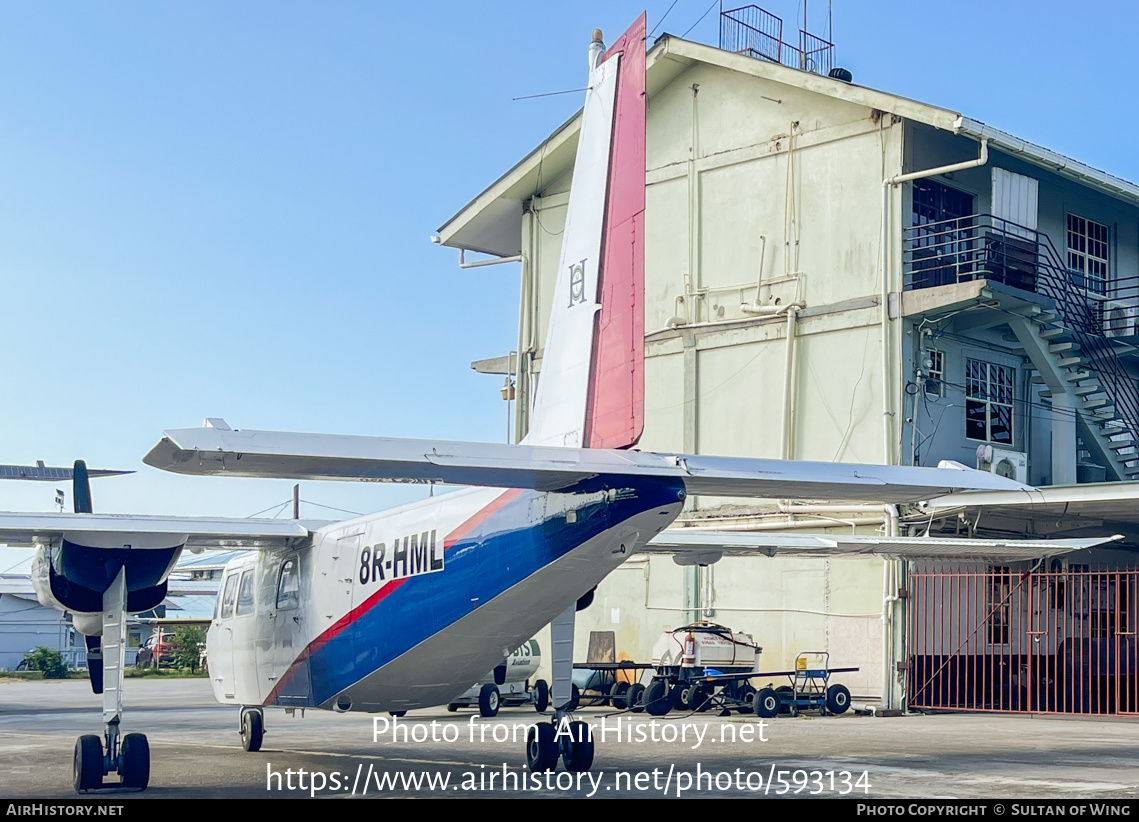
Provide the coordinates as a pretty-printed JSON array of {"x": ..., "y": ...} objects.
[
  {"x": 94, "y": 760},
  {"x": 129, "y": 757}
]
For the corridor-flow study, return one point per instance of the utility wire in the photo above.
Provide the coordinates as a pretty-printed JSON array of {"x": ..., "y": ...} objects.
[
  {"x": 702, "y": 16},
  {"x": 331, "y": 508},
  {"x": 661, "y": 21}
]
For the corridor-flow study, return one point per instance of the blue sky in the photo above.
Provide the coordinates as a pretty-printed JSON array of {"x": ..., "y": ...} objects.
[{"x": 220, "y": 209}]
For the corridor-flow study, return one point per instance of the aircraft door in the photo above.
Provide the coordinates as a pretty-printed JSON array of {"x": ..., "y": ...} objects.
[
  {"x": 244, "y": 640},
  {"x": 285, "y": 677},
  {"x": 219, "y": 641}
]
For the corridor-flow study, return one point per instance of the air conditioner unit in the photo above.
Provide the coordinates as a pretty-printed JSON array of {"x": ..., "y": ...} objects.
[
  {"x": 1004, "y": 462},
  {"x": 1120, "y": 318}
]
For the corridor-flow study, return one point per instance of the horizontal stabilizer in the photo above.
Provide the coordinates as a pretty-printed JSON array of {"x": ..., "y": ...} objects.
[
  {"x": 215, "y": 451},
  {"x": 696, "y": 546},
  {"x": 43, "y": 473},
  {"x": 193, "y": 532}
]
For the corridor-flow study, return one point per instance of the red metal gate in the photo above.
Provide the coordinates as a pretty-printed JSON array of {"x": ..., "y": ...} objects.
[{"x": 1007, "y": 640}]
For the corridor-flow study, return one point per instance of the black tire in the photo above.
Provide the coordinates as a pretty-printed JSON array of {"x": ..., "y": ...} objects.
[
  {"x": 838, "y": 699},
  {"x": 657, "y": 702},
  {"x": 134, "y": 770},
  {"x": 452, "y": 707},
  {"x": 577, "y": 751},
  {"x": 252, "y": 730},
  {"x": 489, "y": 700},
  {"x": 636, "y": 698},
  {"x": 681, "y": 696},
  {"x": 541, "y": 747},
  {"x": 747, "y": 699},
  {"x": 575, "y": 698},
  {"x": 398, "y": 714},
  {"x": 766, "y": 703},
  {"x": 618, "y": 696},
  {"x": 787, "y": 694},
  {"x": 88, "y": 763},
  {"x": 541, "y": 696}
]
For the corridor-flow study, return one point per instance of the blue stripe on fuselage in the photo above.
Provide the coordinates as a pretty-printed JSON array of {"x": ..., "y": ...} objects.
[{"x": 525, "y": 535}]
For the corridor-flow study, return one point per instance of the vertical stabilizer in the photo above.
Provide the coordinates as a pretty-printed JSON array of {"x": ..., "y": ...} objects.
[{"x": 591, "y": 387}]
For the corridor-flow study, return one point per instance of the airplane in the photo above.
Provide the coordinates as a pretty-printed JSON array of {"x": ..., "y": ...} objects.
[{"x": 406, "y": 608}]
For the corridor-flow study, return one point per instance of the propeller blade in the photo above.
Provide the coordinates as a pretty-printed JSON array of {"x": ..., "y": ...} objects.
[{"x": 81, "y": 488}]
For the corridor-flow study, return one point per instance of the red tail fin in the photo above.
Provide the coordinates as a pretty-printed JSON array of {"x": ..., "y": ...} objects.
[{"x": 615, "y": 411}]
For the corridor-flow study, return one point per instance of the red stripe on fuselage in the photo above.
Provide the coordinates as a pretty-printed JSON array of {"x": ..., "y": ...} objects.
[{"x": 330, "y": 633}]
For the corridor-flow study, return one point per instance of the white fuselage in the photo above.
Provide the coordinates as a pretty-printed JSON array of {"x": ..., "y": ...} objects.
[{"x": 407, "y": 608}]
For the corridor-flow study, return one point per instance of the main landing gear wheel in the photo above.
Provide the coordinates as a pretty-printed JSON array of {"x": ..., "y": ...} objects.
[
  {"x": 88, "y": 763},
  {"x": 541, "y": 747},
  {"x": 488, "y": 700},
  {"x": 577, "y": 750},
  {"x": 134, "y": 762},
  {"x": 541, "y": 696},
  {"x": 252, "y": 729}
]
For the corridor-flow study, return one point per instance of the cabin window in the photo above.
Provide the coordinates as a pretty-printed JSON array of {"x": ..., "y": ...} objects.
[
  {"x": 1088, "y": 259},
  {"x": 288, "y": 585},
  {"x": 988, "y": 402},
  {"x": 245, "y": 594},
  {"x": 229, "y": 596}
]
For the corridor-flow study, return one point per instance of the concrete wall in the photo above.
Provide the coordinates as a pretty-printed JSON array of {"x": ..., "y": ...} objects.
[
  {"x": 762, "y": 191},
  {"x": 751, "y": 180}
]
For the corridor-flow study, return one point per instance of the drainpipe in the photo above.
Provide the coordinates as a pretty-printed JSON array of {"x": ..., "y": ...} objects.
[
  {"x": 887, "y": 426},
  {"x": 791, "y": 310},
  {"x": 889, "y": 597}
]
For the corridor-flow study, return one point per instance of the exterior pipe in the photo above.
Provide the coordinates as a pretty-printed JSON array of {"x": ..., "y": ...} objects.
[
  {"x": 791, "y": 310},
  {"x": 898, "y": 179},
  {"x": 889, "y": 597},
  {"x": 788, "y": 507},
  {"x": 517, "y": 258}
]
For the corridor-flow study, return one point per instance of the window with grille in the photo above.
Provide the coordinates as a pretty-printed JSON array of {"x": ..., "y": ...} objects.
[
  {"x": 933, "y": 362},
  {"x": 988, "y": 402},
  {"x": 1088, "y": 254}
]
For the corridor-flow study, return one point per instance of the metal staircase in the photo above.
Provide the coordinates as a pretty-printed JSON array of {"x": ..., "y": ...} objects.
[
  {"x": 1107, "y": 400},
  {"x": 1063, "y": 336}
]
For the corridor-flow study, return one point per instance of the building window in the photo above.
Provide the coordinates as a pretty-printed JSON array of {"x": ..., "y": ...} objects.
[
  {"x": 1088, "y": 254},
  {"x": 933, "y": 364},
  {"x": 941, "y": 237},
  {"x": 988, "y": 402}
]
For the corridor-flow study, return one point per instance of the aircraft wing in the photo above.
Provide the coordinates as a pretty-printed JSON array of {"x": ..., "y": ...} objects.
[
  {"x": 243, "y": 453},
  {"x": 694, "y": 546},
  {"x": 194, "y": 532}
]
